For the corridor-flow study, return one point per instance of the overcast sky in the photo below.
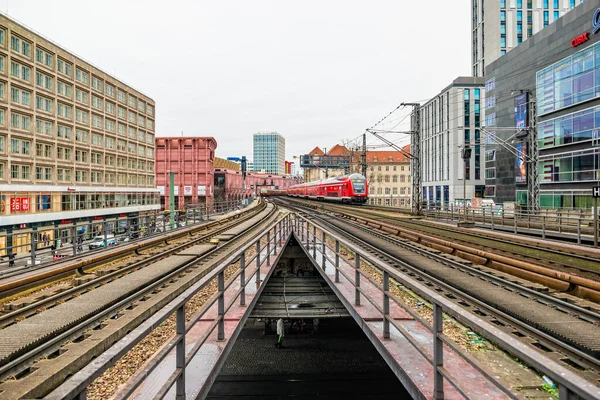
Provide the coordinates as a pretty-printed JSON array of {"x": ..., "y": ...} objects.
[{"x": 317, "y": 71}]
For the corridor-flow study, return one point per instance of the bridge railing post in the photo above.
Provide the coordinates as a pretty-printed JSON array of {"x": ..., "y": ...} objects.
[
  {"x": 268, "y": 247},
  {"x": 356, "y": 279},
  {"x": 323, "y": 249},
  {"x": 221, "y": 306},
  {"x": 337, "y": 260},
  {"x": 438, "y": 352},
  {"x": 386, "y": 305},
  {"x": 258, "y": 261},
  {"x": 180, "y": 353},
  {"x": 243, "y": 279},
  {"x": 315, "y": 243}
]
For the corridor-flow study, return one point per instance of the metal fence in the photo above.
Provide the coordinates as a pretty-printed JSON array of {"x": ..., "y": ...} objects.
[
  {"x": 307, "y": 232},
  {"x": 274, "y": 237},
  {"x": 44, "y": 245},
  {"x": 575, "y": 224}
]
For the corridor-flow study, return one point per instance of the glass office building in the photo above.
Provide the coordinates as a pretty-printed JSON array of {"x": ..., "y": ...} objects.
[
  {"x": 568, "y": 142},
  {"x": 269, "y": 153},
  {"x": 559, "y": 69}
]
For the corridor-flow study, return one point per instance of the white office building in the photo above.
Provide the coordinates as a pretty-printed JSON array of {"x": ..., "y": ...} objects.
[
  {"x": 500, "y": 25},
  {"x": 449, "y": 121},
  {"x": 269, "y": 153}
]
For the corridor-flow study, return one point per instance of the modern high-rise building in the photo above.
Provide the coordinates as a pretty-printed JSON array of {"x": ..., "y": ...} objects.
[
  {"x": 269, "y": 153},
  {"x": 450, "y": 121},
  {"x": 76, "y": 145},
  {"x": 558, "y": 80},
  {"x": 501, "y": 25}
]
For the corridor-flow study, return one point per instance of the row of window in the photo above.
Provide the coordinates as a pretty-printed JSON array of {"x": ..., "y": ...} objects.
[
  {"x": 23, "y": 147},
  {"x": 23, "y": 122},
  {"x": 389, "y": 168},
  {"x": 575, "y": 166},
  {"x": 570, "y": 81},
  {"x": 546, "y": 4},
  {"x": 66, "y": 175},
  {"x": 572, "y": 128},
  {"x": 394, "y": 178},
  {"x": 42, "y": 56},
  {"x": 402, "y": 190}
]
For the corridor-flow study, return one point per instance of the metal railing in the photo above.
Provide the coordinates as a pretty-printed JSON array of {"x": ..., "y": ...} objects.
[
  {"x": 43, "y": 245},
  {"x": 307, "y": 233},
  {"x": 577, "y": 224},
  {"x": 275, "y": 238}
]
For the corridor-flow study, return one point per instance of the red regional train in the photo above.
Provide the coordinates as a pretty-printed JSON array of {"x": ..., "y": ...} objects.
[{"x": 347, "y": 189}]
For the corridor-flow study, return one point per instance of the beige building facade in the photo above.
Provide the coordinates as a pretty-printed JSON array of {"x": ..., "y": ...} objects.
[
  {"x": 388, "y": 176},
  {"x": 75, "y": 142}
]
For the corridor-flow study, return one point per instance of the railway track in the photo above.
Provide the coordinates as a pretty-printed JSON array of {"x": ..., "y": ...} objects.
[
  {"x": 44, "y": 303},
  {"x": 13, "y": 283},
  {"x": 562, "y": 330},
  {"x": 107, "y": 312},
  {"x": 561, "y": 267}
]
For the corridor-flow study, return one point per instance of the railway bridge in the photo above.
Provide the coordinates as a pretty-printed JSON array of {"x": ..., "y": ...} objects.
[{"x": 364, "y": 314}]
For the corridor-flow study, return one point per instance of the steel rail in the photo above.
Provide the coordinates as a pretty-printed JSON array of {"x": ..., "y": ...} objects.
[
  {"x": 24, "y": 361},
  {"x": 565, "y": 306},
  {"x": 8, "y": 318}
]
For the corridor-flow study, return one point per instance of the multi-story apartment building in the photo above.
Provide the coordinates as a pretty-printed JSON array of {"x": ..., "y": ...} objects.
[
  {"x": 269, "y": 153},
  {"x": 558, "y": 78},
  {"x": 501, "y": 25},
  {"x": 191, "y": 160},
  {"x": 388, "y": 176},
  {"x": 450, "y": 121},
  {"x": 76, "y": 144}
]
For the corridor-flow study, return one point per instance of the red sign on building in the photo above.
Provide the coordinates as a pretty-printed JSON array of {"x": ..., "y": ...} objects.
[{"x": 18, "y": 204}]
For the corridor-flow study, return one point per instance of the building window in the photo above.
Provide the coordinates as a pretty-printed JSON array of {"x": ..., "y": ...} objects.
[
  {"x": 20, "y": 71},
  {"x": 20, "y": 46},
  {"x": 109, "y": 107},
  {"x": 44, "y": 57},
  {"x": 20, "y": 96},
  {"x": 82, "y": 76},
  {"x": 546, "y": 18},
  {"x": 64, "y": 110},
  {"x": 490, "y": 155},
  {"x": 97, "y": 84},
  {"x": 64, "y": 67},
  {"x": 132, "y": 101},
  {"x": 503, "y": 3},
  {"x": 81, "y": 116},
  {"x": 63, "y": 132},
  {"x": 44, "y": 104},
  {"x": 121, "y": 96},
  {"x": 64, "y": 89},
  {"x": 519, "y": 3},
  {"x": 44, "y": 81},
  {"x": 109, "y": 90},
  {"x": 570, "y": 81},
  {"x": 502, "y": 16},
  {"x": 81, "y": 136}
]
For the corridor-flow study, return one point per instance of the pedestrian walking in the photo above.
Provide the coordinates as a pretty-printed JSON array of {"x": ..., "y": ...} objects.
[
  {"x": 280, "y": 333},
  {"x": 11, "y": 259}
]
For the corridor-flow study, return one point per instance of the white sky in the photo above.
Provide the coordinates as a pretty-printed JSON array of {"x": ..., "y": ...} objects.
[{"x": 317, "y": 71}]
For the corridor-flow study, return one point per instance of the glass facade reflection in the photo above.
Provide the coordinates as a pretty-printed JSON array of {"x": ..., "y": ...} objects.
[
  {"x": 570, "y": 81},
  {"x": 572, "y": 128}
]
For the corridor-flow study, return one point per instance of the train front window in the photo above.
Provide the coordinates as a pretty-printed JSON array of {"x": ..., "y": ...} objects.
[{"x": 358, "y": 185}]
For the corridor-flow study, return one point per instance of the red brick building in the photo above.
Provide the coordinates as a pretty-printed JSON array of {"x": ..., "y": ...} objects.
[{"x": 191, "y": 159}]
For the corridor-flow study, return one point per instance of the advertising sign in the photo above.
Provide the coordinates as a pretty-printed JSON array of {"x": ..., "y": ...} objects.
[
  {"x": 19, "y": 204},
  {"x": 187, "y": 190},
  {"x": 201, "y": 190},
  {"x": 521, "y": 112},
  {"x": 521, "y": 166}
]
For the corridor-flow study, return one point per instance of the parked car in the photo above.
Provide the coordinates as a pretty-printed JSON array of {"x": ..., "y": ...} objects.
[
  {"x": 98, "y": 242},
  {"x": 123, "y": 239}
]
